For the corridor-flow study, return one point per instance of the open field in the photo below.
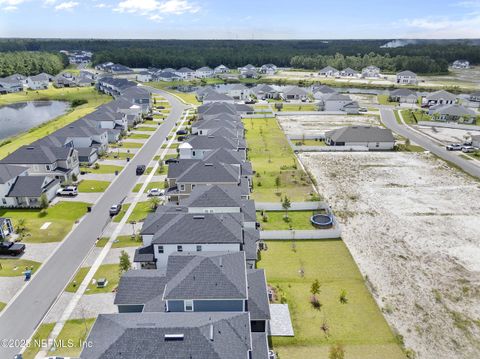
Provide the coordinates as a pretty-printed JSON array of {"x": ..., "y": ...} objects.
[
  {"x": 447, "y": 135},
  {"x": 297, "y": 107},
  {"x": 61, "y": 217},
  {"x": 275, "y": 163},
  {"x": 355, "y": 324},
  {"x": 69, "y": 94},
  {"x": 186, "y": 97},
  {"x": 299, "y": 125},
  {"x": 411, "y": 224}
]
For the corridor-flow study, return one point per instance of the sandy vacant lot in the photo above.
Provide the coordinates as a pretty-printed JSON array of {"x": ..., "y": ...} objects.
[
  {"x": 413, "y": 226},
  {"x": 447, "y": 135},
  {"x": 318, "y": 124}
]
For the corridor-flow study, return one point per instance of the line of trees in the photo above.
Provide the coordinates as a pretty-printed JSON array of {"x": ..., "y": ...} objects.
[
  {"x": 31, "y": 63},
  {"x": 420, "y": 64}
]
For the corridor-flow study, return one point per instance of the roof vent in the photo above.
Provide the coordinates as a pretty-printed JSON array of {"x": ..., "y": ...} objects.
[
  {"x": 209, "y": 164},
  {"x": 30, "y": 148},
  {"x": 198, "y": 217},
  {"x": 173, "y": 337},
  {"x": 220, "y": 262},
  {"x": 211, "y": 136}
]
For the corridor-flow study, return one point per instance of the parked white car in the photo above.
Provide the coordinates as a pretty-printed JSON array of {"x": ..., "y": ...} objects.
[
  {"x": 156, "y": 192},
  {"x": 468, "y": 149},
  {"x": 71, "y": 191}
]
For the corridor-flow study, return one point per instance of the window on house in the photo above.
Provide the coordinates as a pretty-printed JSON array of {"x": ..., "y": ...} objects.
[
  {"x": 199, "y": 248},
  {"x": 189, "y": 305},
  {"x": 4, "y": 201},
  {"x": 179, "y": 248},
  {"x": 160, "y": 249},
  {"x": 182, "y": 187},
  {"x": 193, "y": 153}
]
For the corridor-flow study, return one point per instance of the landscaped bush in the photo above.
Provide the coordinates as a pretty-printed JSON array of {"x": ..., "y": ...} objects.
[{"x": 79, "y": 102}]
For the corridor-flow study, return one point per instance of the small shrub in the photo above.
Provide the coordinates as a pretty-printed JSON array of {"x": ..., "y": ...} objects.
[
  {"x": 315, "y": 302},
  {"x": 79, "y": 102},
  {"x": 336, "y": 352},
  {"x": 343, "y": 297}
]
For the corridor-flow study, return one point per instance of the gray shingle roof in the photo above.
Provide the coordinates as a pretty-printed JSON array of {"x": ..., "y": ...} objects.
[
  {"x": 206, "y": 275},
  {"x": 212, "y": 142},
  {"x": 259, "y": 345},
  {"x": 251, "y": 237},
  {"x": 453, "y": 110},
  {"x": 441, "y": 95},
  {"x": 403, "y": 92},
  {"x": 407, "y": 73},
  {"x": 184, "y": 228},
  {"x": 31, "y": 186},
  {"x": 258, "y": 304},
  {"x": 360, "y": 134},
  {"x": 8, "y": 172},
  {"x": 142, "y": 336},
  {"x": 214, "y": 196},
  {"x": 216, "y": 96},
  {"x": 33, "y": 154},
  {"x": 210, "y": 172}
]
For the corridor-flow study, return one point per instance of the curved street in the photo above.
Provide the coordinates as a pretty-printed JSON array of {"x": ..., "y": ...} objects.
[{"x": 26, "y": 310}]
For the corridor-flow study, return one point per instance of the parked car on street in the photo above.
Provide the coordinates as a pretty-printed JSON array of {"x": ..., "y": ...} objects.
[
  {"x": 156, "y": 192},
  {"x": 454, "y": 147},
  {"x": 468, "y": 149},
  {"x": 71, "y": 191},
  {"x": 141, "y": 170},
  {"x": 115, "y": 209},
  {"x": 182, "y": 132},
  {"x": 11, "y": 248},
  {"x": 363, "y": 109}
]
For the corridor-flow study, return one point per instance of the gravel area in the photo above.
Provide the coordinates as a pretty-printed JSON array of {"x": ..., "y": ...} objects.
[{"x": 411, "y": 223}]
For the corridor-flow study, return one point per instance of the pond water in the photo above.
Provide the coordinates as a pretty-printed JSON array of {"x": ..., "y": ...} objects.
[{"x": 21, "y": 117}]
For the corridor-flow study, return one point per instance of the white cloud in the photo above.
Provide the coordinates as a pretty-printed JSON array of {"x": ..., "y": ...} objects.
[
  {"x": 444, "y": 27},
  {"x": 10, "y": 5},
  {"x": 68, "y": 5},
  {"x": 102, "y": 5},
  {"x": 49, "y": 2},
  {"x": 155, "y": 9}
]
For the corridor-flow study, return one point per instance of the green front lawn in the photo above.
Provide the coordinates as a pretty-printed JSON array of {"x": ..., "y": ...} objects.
[
  {"x": 117, "y": 155},
  {"x": 145, "y": 128},
  {"x": 61, "y": 217},
  {"x": 139, "y": 136},
  {"x": 75, "y": 330},
  {"x": 276, "y": 220},
  {"x": 72, "y": 287},
  {"x": 150, "y": 185},
  {"x": 272, "y": 158},
  {"x": 139, "y": 213},
  {"x": 109, "y": 271},
  {"x": 2, "y": 305},
  {"x": 126, "y": 144},
  {"x": 308, "y": 143},
  {"x": 102, "y": 169},
  {"x": 12, "y": 267},
  {"x": 121, "y": 242},
  {"x": 290, "y": 107},
  {"x": 413, "y": 117},
  {"x": 88, "y": 186},
  {"x": 186, "y": 97},
  {"x": 41, "y": 334},
  {"x": 384, "y": 100},
  {"x": 94, "y": 98},
  {"x": 358, "y": 324}
]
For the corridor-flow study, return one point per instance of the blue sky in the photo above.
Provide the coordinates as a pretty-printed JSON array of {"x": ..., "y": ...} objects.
[{"x": 247, "y": 19}]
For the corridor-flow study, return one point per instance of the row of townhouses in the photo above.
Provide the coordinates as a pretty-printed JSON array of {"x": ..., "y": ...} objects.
[
  {"x": 403, "y": 77},
  {"x": 195, "y": 291},
  {"x": 40, "y": 168}
]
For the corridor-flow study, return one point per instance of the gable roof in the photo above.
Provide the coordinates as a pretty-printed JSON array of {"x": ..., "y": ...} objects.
[
  {"x": 31, "y": 186},
  {"x": 453, "y": 110},
  {"x": 403, "y": 92},
  {"x": 407, "y": 73},
  {"x": 210, "y": 172},
  {"x": 212, "y": 335},
  {"x": 441, "y": 95},
  {"x": 328, "y": 69},
  {"x": 182, "y": 228},
  {"x": 37, "y": 154},
  {"x": 214, "y": 196},
  {"x": 206, "y": 275},
  {"x": 258, "y": 304},
  {"x": 216, "y": 96},
  {"x": 360, "y": 134},
  {"x": 8, "y": 172}
]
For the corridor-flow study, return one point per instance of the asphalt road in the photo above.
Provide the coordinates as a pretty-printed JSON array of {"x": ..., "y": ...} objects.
[
  {"x": 388, "y": 118},
  {"x": 19, "y": 320}
]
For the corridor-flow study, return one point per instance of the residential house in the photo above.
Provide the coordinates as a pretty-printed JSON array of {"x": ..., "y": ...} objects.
[
  {"x": 197, "y": 147},
  {"x": 328, "y": 71},
  {"x": 407, "y": 78},
  {"x": 10, "y": 85},
  {"x": 27, "y": 191},
  {"x": 204, "y": 72},
  {"x": 371, "y": 72},
  {"x": 250, "y": 74},
  {"x": 221, "y": 69},
  {"x": 167, "y": 76},
  {"x": 247, "y": 68},
  {"x": 441, "y": 97},
  {"x": 403, "y": 96},
  {"x": 214, "y": 96},
  {"x": 169, "y": 335},
  {"x": 294, "y": 93},
  {"x": 114, "y": 86},
  {"x": 338, "y": 102},
  {"x": 374, "y": 138},
  {"x": 39, "y": 82},
  {"x": 55, "y": 162},
  {"x": 349, "y": 72},
  {"x": 207, "y": 127},
  {"x": 264, "y": 92},
  {"x": 268, "y": 69},
  {"x": 185, "y": 73},
  {"x": 144, "y": 76},
  {"x": 8, "y": 177},
  {"x": 239, "y": 92},
  {"x": 453, "y": 113},
  {"x": 320, "y": 91},
  {"x": 461, "y": 64}
]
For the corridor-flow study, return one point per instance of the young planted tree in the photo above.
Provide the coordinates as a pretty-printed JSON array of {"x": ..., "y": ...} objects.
[
  {"x": 343, "y": 297},
  {"x": 125, "y": 263},
  {"x": 315, "y": 290},
  {"x": 21, "y": 228},
  {"x": 44, "y": 201},
  {"x": 286, "y": 204},
  {"x": 154, "y": 203},
  {"x": 277, "y": 182}
]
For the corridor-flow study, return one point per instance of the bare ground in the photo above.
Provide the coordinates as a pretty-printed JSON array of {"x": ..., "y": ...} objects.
[{"x": 412, "y": 225}]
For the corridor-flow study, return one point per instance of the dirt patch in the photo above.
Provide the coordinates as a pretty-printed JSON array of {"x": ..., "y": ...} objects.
[
  {"x": 411, "y": 223},
  {"x": 448, "y": 135},
  {"x": 299, "y": 125}
]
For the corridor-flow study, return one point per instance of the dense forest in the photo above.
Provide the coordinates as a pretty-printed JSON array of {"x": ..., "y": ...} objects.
[
  {"x": 31, "y": 63},
  {"x": 422, "y": 56}
]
